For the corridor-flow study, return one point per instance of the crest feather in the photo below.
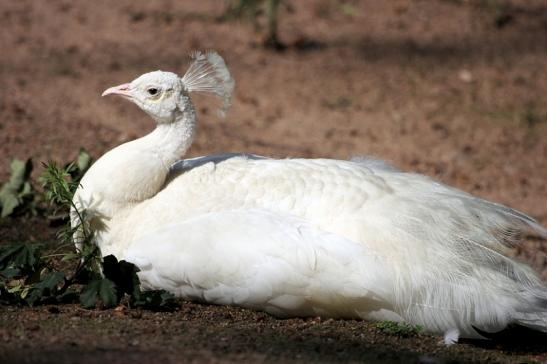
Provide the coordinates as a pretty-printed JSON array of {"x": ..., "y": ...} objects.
[{"x": 208, "y": 73}]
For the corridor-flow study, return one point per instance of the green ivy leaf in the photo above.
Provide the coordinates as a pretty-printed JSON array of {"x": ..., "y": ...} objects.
[
  {"x": 24, "y": 257},
  {"x": 90, "y": 295},
  {"x": 123, "y": 274},
  {"x": 7, "y": 252},
  {"x": 157, "y": 300},
  {"x": 70, "y": 296},
  {"x": 84, "y": 161},
  {"x": 17, "y": 188},
  {"x": 46, "y": 288},
  {"x": 27, "y": 256},
  {"x": 9, "y": 202},
  {"x": 50, "y": 281},
  {"x": 26, "y": 191},
  {"x": 10, "y": 273},
  {"x": 102, "y": 290}
]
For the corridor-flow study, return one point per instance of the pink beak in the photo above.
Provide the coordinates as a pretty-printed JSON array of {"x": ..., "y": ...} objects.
[{"x": 122, "y": 90}]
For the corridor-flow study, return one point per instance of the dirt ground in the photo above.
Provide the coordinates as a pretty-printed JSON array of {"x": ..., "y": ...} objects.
[{"x": 455, "y": 89}]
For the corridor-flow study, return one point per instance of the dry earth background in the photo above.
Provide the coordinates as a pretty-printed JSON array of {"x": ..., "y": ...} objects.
[{"x": 431, "y": 86}]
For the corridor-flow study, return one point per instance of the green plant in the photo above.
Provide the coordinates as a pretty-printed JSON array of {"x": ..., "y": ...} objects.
[
  {"x": 120, "y": 280},
  {"x": 348, "y": 9},
  {"x": 253, "y": 9},
  {"x": 16, "y": 195},
  {"x": 531, "y": 117},
  {"x": 398, "y": 329},
  {"x": 35, "y": 274}
]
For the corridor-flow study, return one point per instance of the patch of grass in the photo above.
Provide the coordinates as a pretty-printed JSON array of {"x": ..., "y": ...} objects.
[
  {"x": 399, "y": 329},
  {"x": 457, "y": 2},
  {"x": 339, "y": 103},
  {"x": 253, "y": 10},
  {"x": 531, "y": 117},
  {"x": 500, "y": 11},
  {"x": 521, "y": 115},
  {"x": 348, "y": 9}
]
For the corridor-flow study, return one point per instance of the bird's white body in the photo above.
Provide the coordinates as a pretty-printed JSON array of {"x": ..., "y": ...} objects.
[{"x": 310, "y": 237}]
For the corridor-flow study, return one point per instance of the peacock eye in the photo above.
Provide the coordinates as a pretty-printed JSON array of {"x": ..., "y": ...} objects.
[{"x": 152, "y": 91}]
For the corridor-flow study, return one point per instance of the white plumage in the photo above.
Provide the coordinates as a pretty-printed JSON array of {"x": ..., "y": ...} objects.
[{"x": 303, "y": 237}]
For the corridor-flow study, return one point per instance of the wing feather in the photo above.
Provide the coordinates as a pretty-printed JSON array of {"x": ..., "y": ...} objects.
[{"x": 259, "y": 259}]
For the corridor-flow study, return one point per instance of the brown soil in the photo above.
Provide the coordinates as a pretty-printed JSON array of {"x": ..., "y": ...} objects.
[{"x": 453, "y": 89}]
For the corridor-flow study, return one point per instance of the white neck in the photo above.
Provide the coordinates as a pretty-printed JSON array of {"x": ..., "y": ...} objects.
[
  {"x": 170, "y": 141},
  {"x": 136, "y": 171}
]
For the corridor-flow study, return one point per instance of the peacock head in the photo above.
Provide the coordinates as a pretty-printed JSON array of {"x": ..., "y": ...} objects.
[
  {"x": 160, "y": 94},
  {"x": 165, "y": 95}
]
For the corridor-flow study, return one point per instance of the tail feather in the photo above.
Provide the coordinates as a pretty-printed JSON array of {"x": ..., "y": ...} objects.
[
  {"x": 536, "y": 320},
  {"x": 538, "y": 229},
  {"x": 536, "y": 316}
]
